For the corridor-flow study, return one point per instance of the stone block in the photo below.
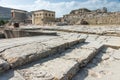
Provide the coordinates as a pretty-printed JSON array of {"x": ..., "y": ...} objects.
[
  {"x": 22, "y": 54},
  {"x": 56, "y": 69},
  {"x": 116, "y": 55},
  {"x": 62, "y": 67}
]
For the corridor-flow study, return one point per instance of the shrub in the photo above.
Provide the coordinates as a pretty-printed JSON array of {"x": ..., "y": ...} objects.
[{"x": 2, "y": 22}]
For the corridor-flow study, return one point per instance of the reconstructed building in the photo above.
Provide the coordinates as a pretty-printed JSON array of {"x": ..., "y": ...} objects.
[
  {"x": 41, "y": 17},
  {"x": 85, "y": 16},
  {"x": 18, "y": 15}
]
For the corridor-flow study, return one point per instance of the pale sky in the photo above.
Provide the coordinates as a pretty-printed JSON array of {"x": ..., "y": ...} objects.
[{"x": 61, "y": 7}]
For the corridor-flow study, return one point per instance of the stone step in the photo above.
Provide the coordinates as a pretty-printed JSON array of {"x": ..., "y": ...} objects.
[
  {"x": 63, "y": 67},
  {"x": 60, "y": 67},
  {"x": 22, "y": 54},
  {"x": 103, "y": 67}
]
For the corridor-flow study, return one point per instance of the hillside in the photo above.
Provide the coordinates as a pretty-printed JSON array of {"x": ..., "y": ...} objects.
[{"x": 5, "y": 13}]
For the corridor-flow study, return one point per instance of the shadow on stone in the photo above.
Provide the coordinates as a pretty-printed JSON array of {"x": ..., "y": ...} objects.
[{"x": 7, "y": 75}]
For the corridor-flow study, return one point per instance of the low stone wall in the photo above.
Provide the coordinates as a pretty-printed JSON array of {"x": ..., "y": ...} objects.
[{"x": 94, "y": 18}]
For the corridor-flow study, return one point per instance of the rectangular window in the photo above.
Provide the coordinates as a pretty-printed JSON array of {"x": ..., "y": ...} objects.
[
  {"x": 52, "y": 14},
  {"x": 46, "y": 14}
]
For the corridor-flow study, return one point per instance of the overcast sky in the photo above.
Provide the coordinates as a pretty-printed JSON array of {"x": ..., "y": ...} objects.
[{"x": 61, "y": 7}]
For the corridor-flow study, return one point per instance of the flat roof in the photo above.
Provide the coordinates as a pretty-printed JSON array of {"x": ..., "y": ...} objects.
[
  {"x": 18, "y": 10},
  {"x": 44, "y": 11}
]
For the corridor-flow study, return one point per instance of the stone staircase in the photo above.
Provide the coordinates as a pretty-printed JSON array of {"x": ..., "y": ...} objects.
[
  {"x": 17, "y": 55},
  {"x": 62, "y": 66},
  {"x": 59, "y": 67},
  {"x": 50, "y": 57}
]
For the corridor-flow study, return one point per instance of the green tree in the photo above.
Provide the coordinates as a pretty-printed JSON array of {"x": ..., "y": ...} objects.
[{"x": 2, "y": 22}]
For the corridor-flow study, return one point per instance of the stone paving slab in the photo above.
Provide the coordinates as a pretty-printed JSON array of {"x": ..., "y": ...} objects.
[
  {"x": 19, "y": 55},
  {"x": 114, "y": 41},
  {"x": 105, "y": 66},
  {"x": 29, "y": 52},
  {"x": 55, "y": 69},
  {"x": 97, "y": 41},
  {"x": 9, "y": 43},
  {"x": 64, "y": 67},
  {"x": 81, "y": 55}
]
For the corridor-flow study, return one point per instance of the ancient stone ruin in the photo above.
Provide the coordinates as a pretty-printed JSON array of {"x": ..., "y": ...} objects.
[
  {"x": 85, "y": 49},
  {"x": 94, "y": 17},
  {"x": 75, "y": 53}
]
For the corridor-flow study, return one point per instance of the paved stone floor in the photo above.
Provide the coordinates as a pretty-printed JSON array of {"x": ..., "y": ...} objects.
[
  {"x": 105, "y": 66},
  {"x": 76, "y": 53}
]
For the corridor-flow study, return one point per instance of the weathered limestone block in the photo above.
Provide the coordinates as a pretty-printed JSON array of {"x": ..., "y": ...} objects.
[
  {"x": 92, "y": 38},
  {"x": 9, "y": 43},
  {"x": 3, "y": 65},
  {"x": 64, "y": 67},
  {"x": 60, "y": 45},
  {"x": 92, "y": 45},
  {"x": 56, "y": 69},
  {"x": 20, "y": 55},
  {"x": 113, "y": 41},
  {"x": 81, "y": 55},
  {"x": 116, "y": 55},
  {"x": 102, "y": 67}
]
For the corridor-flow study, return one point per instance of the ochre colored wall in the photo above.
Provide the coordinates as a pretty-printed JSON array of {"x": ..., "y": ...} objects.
[{"x": 43, "y": 17}]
